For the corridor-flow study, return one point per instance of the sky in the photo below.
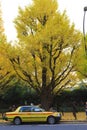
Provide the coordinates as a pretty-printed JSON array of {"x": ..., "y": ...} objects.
[{"x": 74, "y": 10}]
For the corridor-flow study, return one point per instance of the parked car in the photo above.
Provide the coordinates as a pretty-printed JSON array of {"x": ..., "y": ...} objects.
[{"x": 32, "y": 114}]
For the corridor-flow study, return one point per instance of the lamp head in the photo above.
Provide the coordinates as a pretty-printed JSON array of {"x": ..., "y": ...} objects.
[{"x": 85, "y": 8}]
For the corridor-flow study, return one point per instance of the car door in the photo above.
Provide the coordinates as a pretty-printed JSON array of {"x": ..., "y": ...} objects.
[
  {"x": 37, "y": 115},
  {"x": 25, "y": 113}
]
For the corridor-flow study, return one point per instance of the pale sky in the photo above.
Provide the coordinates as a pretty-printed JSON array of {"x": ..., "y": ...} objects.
[{"x": 74, "y": 10}]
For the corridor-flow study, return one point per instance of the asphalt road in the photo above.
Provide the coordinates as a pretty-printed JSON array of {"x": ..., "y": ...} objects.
[{"x": 44, "y": 127}]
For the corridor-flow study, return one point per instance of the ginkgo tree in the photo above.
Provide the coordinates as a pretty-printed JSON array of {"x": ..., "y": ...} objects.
[
  {"x": 47, "y": 46},
  {"x": 6, "y": 71},
  {"x": 3, "y": 73}
]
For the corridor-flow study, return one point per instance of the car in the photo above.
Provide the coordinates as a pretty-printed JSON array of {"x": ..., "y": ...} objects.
[{"x": 32, "y": 114}]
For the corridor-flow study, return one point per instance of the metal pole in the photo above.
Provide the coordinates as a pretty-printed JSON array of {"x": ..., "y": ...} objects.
[
  {"x": 85, "y": 9},
  {"x": 84, "y": 23}
]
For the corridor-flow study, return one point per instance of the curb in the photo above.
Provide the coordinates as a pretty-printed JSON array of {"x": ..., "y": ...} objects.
[{"x": 73, "y": 121}]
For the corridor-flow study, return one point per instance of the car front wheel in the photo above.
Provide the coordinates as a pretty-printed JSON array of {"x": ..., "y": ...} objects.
[
  {"x": 17, "y": 121},
  {"x": 51, "y": 120}
]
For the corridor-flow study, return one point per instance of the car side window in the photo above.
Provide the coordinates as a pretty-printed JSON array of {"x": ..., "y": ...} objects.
[
  {"x": 25, "y": 109},
  {"x": 37, "y": 110}
]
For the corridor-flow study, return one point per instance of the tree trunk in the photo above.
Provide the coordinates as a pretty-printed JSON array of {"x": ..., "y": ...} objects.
[
  {"x": 46, "y": 99},
  {"x": 46, "y": 96}
]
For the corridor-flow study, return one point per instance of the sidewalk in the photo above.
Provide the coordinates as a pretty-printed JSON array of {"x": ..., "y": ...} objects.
[
  {"x": 73, "y": 121},
  {"x": 3, "y": 121}
]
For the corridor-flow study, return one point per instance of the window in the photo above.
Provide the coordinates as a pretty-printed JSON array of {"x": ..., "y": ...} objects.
[
  {"x": 25, "y": 109},
  {"x": 37, "y": 109}
]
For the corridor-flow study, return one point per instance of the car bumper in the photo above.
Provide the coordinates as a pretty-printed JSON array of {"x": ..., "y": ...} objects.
[{"x": 58, "y": 119}]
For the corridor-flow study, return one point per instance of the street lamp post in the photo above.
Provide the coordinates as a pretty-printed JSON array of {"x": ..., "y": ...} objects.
[{"x": 85, "y": 9}]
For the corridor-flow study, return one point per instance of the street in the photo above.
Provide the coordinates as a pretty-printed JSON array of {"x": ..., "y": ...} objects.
[{"x": 78, "y": 126}]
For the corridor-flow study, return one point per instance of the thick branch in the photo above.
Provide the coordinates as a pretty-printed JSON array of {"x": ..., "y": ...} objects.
[
  {"x": 29, "y": 80},
  {"x": 63, "y": 78},
  {"x": 35, "y": 67},
  {"x": 62, "y": 87}
]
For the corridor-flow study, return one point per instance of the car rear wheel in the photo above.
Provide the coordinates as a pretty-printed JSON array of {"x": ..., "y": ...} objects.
[
  {"x": 17, "y": 121},
  {"x": 51, "y": 120}
]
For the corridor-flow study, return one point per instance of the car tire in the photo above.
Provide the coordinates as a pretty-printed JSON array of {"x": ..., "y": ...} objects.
[
  {"x": 17, "y": 121},
  {"x": 51, "y": 120}
]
